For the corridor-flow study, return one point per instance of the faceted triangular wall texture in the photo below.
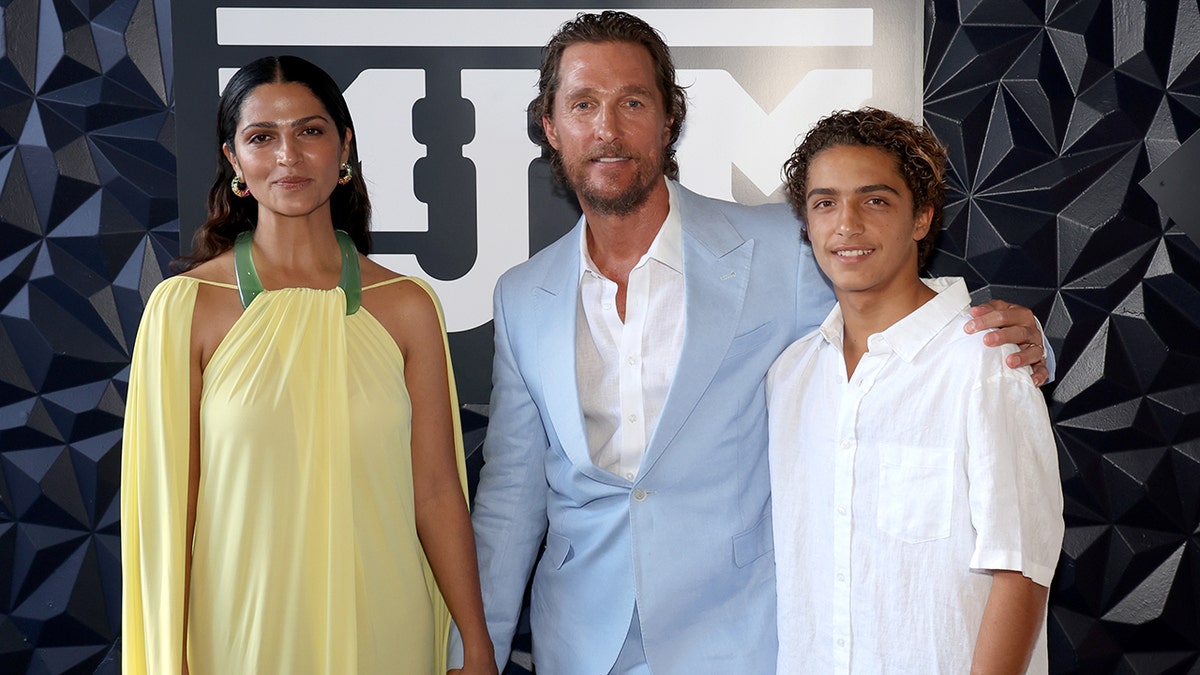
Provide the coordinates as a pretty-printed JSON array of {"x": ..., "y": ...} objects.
[
  {"x": 1053, "y": 111},
  {"x": 87, "y": 224}
]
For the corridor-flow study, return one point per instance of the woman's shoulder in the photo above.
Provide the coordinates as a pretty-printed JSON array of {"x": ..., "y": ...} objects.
[
  {"x": 396, "y": 299},
  {"x": 376, "y": 277},
  {"x": 218, "y": 270}
]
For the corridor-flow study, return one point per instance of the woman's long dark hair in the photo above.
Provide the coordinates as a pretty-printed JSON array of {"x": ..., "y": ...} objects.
[{"x": 229, "y": 215}]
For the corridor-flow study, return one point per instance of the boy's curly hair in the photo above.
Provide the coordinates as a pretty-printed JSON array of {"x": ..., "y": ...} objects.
[{"x": 921, "y": 159}]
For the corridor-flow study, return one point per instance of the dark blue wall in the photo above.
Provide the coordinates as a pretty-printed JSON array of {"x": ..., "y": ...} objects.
[{"x": 1053, "y": 117}]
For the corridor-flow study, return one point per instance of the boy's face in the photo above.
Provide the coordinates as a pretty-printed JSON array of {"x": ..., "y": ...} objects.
[{"x": 860, "y": 220}]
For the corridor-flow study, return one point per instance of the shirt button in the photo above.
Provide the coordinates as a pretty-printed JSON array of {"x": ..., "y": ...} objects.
[
  {"x": 841, "y": 642},
  {"x": 639, "y": 495},
  {"x": 841, "y": 510},
  {"x": 607, "y": 305},
  {"x": 847, "y": 444},
  {"x": 633, "y": 418},
  {"x": 629, "y": 476},
  {"x": 632, "y": 360},
  {"x": 841, "y": 577}
]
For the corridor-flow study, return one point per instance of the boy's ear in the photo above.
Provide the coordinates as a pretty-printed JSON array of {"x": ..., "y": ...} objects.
[{"x": 923, "y": 221}]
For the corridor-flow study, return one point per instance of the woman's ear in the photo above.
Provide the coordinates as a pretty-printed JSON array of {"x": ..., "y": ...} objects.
[
  {"x": 231, "y": 158},
  {"x": 346, "y": 145}
]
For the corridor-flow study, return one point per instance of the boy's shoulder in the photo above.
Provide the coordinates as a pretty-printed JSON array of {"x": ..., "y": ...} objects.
[
  {"x": 966, "y": 353},
  {"x": 798, "y": 354}
]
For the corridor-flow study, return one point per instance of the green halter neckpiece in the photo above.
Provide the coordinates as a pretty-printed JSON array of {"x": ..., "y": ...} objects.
[{"x": 249, "y": 285}]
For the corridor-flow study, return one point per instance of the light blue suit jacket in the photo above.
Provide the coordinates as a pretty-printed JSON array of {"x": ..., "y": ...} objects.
[{"x": 689, "y": 541}]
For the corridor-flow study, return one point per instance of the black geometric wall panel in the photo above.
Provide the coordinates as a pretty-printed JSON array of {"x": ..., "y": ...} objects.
[
  {"x": 87, "y": 224},
  {"x": 1053, "y": 111}
]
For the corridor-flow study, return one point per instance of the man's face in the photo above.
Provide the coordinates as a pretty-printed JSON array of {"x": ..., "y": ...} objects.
[
  {"x": 609, "y": 124},
  {"x": 860, "y": 219}
]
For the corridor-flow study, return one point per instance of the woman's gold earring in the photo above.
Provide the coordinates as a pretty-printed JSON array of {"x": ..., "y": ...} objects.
[
  {"x": 239, "y": 187},
  {"x": 346, "y": 174}
]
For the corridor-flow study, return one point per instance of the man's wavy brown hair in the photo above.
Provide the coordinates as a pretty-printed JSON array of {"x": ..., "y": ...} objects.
[
  {"x": 607, "y": 26},
  {"x": 921, "y": 159}
]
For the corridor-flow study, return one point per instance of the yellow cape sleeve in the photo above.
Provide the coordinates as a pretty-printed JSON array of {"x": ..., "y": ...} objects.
[
  {"x": 154, "y": 483},
  {"x": 441, "y": 615}
]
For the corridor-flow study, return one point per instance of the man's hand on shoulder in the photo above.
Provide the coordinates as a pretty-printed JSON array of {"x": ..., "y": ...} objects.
[{"x": 1014, "y": 325}]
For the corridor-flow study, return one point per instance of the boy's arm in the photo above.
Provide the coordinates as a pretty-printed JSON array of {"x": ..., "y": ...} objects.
[{"x": 1012, "y": 620}]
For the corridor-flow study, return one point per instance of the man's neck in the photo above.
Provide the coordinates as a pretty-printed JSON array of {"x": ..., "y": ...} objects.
[
  {"x": 617, "y": 243},
  {"x": 868, "y": 312}
]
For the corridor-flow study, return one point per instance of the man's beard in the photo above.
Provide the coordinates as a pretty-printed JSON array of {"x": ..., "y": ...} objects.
[{"x": 623, "y": 203}]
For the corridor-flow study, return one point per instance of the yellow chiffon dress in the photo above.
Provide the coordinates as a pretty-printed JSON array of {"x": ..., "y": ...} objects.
[{"x": 305, "y": 558}]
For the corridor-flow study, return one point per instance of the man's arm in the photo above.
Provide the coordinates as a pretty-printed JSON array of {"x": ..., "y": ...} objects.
[
  {"x": 1012, "y": 620},
  {"x": 1015, "y": 325}
]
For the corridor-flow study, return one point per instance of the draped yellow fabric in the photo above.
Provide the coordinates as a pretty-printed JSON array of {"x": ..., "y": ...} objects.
[{"x": 305, "y": 558}]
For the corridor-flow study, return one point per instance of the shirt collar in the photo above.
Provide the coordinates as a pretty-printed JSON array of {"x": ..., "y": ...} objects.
[
  {"x": 909, "y": 335},
  {"x": 667, "y": 247}
]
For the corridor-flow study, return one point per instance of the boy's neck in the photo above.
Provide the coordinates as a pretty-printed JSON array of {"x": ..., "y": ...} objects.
[{"x": 868, "y": 312}]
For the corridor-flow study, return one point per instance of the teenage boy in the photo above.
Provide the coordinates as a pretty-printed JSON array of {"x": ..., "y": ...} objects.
[{"x": 916, "y": 498}]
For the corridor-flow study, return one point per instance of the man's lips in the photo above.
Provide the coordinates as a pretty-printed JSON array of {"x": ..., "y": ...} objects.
[{"x": 853, "y": 252}]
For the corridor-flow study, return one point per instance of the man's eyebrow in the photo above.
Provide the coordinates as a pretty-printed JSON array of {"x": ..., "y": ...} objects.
[
  {"x": 820, "y": 191},
  {"x": 625, "y": 90}
]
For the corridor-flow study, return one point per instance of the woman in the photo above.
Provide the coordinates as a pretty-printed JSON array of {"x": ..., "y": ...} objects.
[{"x": 292, "y": 482}]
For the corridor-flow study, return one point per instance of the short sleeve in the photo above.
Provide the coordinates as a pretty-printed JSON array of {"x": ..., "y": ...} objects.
[{"x": 1015, "y": 491}]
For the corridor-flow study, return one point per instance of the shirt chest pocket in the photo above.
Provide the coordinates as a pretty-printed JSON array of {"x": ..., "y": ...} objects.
[{"x": 915, "y": 492}]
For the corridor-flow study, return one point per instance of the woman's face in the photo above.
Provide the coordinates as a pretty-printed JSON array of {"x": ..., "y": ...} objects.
[{"x": 287, "y": 150}]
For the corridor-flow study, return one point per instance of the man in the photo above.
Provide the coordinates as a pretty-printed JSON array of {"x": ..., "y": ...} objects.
[
  {"x": 916, "y": 501},
  {"x": 628, "y": 414}
]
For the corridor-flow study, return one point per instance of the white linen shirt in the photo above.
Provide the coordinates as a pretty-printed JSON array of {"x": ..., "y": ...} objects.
[
  {"x": 894, "y": 492},
  {"x": 624, "y": 370}
]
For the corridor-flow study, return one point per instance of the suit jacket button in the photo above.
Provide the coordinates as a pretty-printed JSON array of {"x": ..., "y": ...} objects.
[{"x": 639, "y": 495}]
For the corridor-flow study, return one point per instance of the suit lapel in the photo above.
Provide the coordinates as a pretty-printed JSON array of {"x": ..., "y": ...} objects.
[
  {"x": 557, "y": 303},
  {"x": 716, "y": 265}
]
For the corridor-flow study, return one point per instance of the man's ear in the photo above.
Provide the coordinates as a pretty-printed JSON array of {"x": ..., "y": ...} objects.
[{"x": 550, "y": 131}]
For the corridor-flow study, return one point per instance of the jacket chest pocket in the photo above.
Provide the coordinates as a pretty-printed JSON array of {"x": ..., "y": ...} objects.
[{"x": 915, "y": 492}]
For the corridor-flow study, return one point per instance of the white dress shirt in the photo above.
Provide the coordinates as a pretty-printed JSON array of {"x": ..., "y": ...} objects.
[
  {"x": 625, "y": 369},
  {"x": 896, "y": 491}
]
